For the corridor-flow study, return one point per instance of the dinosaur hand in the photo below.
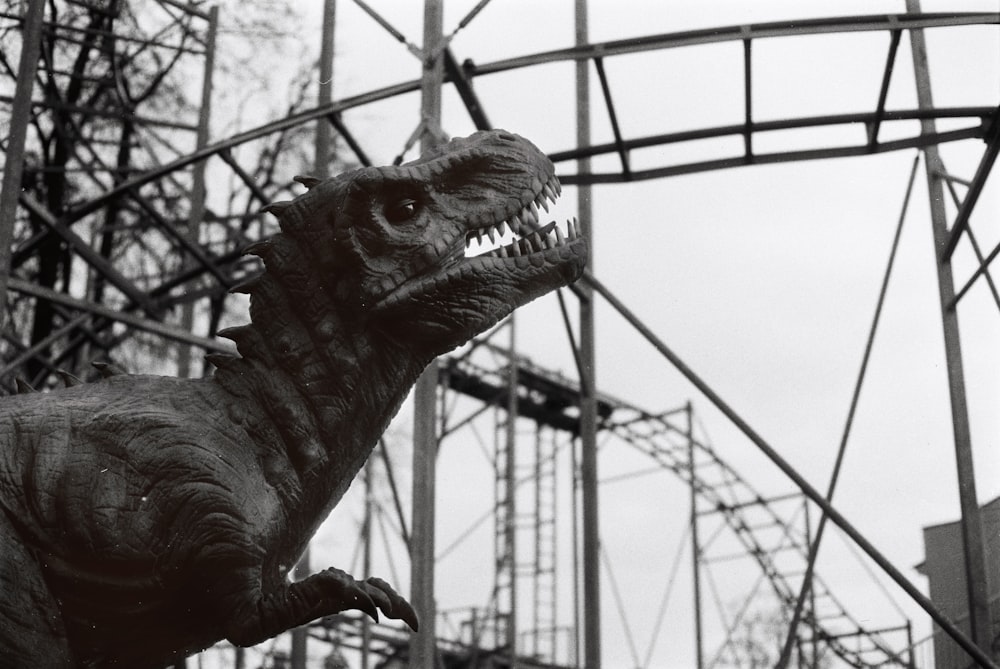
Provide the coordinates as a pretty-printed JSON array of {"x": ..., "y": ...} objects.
[{"x": 368, "y": 596}]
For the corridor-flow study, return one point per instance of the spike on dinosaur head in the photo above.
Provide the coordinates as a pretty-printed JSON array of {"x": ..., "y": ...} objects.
[
  {"x": 307, "y": 181},
  {"x": 393, "y": 240},
  {"x": 277, "y": 208}
]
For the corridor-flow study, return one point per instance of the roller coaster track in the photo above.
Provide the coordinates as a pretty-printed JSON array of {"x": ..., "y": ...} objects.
[
  {"x": 549, "y": 398},
  {"x": 223, "y": 268},
  {"x": 724, "y": 491}
]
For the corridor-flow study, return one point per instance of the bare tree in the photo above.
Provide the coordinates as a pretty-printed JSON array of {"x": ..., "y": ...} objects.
[{"x": 117, "y": 94}]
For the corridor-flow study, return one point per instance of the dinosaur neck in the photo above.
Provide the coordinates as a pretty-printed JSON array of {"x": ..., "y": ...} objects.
[{"x": 319, "y": 387}]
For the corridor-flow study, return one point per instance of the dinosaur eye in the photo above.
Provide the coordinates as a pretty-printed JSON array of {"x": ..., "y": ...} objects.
[{"x": 401, "y": 210}]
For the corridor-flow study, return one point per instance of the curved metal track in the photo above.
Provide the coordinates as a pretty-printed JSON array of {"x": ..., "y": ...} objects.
[
  {"x": 463, "y": 77},
  {"x": 220, "y": 268}
]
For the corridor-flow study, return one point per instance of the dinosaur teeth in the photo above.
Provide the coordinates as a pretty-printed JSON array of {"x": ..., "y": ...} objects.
[
  {"x": 529, "y": 216},
  {"x": 535, "y": 241},
  {"x": 542, "y": 201},
  {"x": 549, "y": 193},
  {"x": 521, "y": 234}
]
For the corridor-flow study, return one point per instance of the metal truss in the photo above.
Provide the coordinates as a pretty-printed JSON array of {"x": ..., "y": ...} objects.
[
  {"x": 746, "y": 523},
  {"x": 92, "y": 102},
  {"x": 206, "y": 271},
  {"x": 103, "y": 294},
  {"x": 982, "y": 121}
]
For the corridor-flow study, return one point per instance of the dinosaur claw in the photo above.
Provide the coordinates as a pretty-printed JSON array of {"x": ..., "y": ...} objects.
[
  {"x": 409, "y": 616},
  {"x": 366, "y": 604},
  {"x": 348, "y": 593},
  {"x": 369, "y": 596},
  {"x": 395, "y": 606}
]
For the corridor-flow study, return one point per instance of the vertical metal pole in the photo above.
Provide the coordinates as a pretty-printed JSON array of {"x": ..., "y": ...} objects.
[
  {"x": 324, "y": 139},
  {"x": 972, "y": 530},
  {"x": 910, "y": 660},
  {"x": 422, "y": 645},
  {"x": 574, "y": 661},
  {"x": 695, "y": 544},
  {"x": 510, "y": 483},
  {"x": 814, "y": 628},
  {"x": 588, "y": 399},
  {"x": 198, "y": 190},
  {"x": 321, "y": 169},
  {"x": 20, "y": 115},
  {"x": 366, "y": 628}
]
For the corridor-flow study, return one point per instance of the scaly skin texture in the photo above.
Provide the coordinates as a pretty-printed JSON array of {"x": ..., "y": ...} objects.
[{"x": 145, "y": 518}]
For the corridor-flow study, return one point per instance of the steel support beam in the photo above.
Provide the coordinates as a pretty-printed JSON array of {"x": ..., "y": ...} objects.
[
  {"x": 508, "y": 547},
  {"x": 973, "y": 549},
  {"x": 883, "y": 92},
  {"x": 863, "y": 149},
  {"x": 20, "y": 116},
  {"x": 89, "y": 255},
  {"x": 814, "y": 543},
  {"x": 198, "y": 189},
  {"x": 164, "y": 330},
  {"x": 812, "y": 493},
  {"x": 338, "y": 123},
  {"x": 975, "y": 188},
  {"x": 747, "y": 97},
  {"x": 423, "y": 646},
  {"x": 606, "y": 49},
  {"x": 321, "y": 169},
  {"x": 699, "y": 658},
  {"x": 463, "y": 85},
  {"x": 796, "y": 28},
  {"x": 609, "y": 104},
  {"x": 591, "y": 560}
]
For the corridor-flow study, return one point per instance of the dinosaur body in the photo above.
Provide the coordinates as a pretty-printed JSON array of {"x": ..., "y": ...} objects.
[{"x": 144, "y": 518}]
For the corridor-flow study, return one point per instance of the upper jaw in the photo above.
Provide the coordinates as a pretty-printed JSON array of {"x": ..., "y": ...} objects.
[
  {"x": 528, "y": 244},
  {"x": 517, "y": 229},
  {"x": 521, "y": 224}
]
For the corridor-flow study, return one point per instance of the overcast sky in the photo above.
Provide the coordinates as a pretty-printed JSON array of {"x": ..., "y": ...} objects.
[{"x": 763, "y": 279}]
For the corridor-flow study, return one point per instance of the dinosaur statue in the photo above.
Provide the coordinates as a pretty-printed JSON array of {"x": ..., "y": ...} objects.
[{"x": 144, "y": 518}]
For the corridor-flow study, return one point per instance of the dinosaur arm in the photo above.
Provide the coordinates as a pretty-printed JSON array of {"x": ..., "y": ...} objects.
[{"x": 255, "y": 613}]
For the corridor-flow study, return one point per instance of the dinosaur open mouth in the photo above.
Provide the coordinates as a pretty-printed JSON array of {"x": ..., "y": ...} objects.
[
  {"x": 521, "y": 234},
  {"x": 516, "y": 245}
]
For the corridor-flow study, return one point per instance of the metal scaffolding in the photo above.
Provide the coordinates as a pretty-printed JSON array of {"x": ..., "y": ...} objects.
[{"x": 111, "y": 247}]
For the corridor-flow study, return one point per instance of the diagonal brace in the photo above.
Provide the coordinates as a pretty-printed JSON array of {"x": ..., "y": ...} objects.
[
  {"x": 975, "y": 187},
  {"x": 814, "y": 495},
  {"x": 89, "y": 255}
]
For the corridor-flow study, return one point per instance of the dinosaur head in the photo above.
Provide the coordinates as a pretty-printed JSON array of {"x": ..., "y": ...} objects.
[{"x": 399, "y": 240}]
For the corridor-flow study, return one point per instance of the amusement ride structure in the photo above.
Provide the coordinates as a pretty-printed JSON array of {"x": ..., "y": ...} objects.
[{"x": 114, "y": 246}]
